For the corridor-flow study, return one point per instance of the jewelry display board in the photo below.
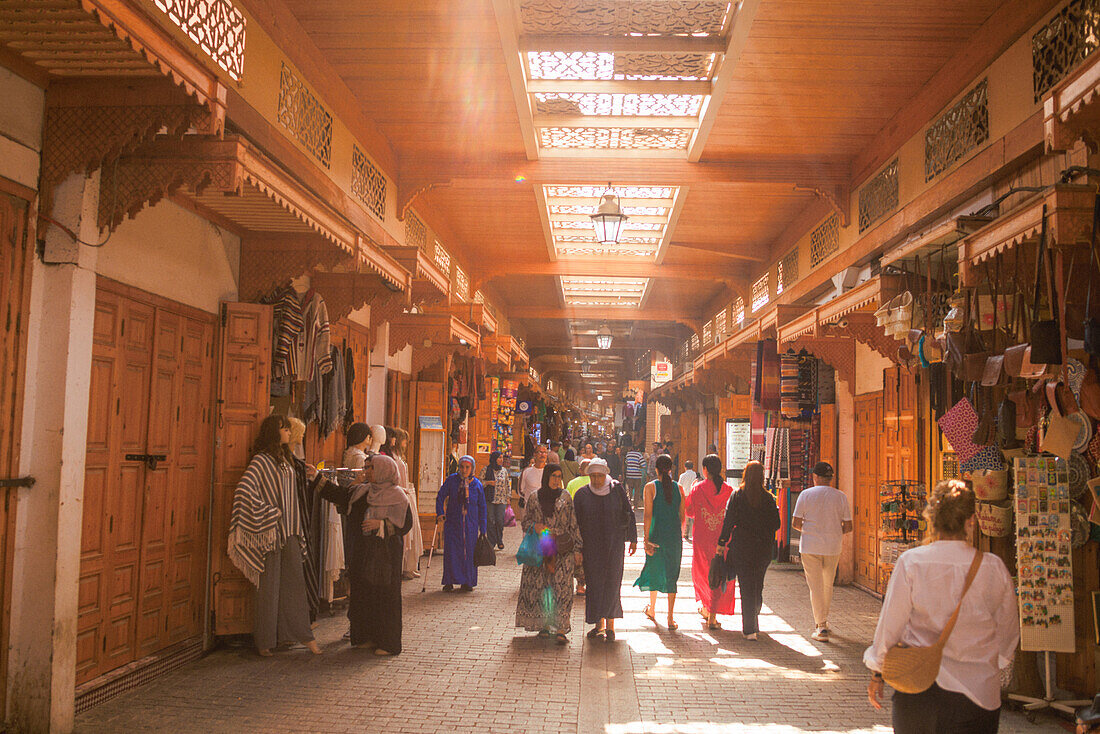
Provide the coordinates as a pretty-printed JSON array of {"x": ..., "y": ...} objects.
[{"x": 1043, "y": 554}]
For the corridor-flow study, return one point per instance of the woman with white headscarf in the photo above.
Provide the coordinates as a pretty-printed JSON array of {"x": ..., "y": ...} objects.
[
  {"x": 379, "y": 511},
  {"x": 460, "y": 505}
]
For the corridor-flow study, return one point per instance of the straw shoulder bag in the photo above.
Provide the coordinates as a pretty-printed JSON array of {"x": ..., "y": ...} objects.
[{"x": 914, "y": 669}]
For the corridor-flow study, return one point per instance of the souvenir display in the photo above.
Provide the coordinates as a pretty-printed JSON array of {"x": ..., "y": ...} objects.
[
  {"x": 1043, "y": 554},
  {"x": 901, "y": 513},
  {"x": 506, "y": 412}
]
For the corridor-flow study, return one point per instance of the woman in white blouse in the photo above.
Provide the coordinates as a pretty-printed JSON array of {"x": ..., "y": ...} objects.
[{"x": 923, "y": 593}]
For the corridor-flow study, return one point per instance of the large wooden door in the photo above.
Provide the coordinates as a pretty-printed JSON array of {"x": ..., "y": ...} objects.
[
  {"x": 900, "y": 452},
  {"x": 143, "y": 549},
  {"x": 15, "y": 262},
  {"x": 243, "y": 397},
  {"x": 868, "y": 436}
]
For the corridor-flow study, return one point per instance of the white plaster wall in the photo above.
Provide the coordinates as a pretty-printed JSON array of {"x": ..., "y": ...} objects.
[
  {"x": 174, "y": 253},
  {"x": 21, "y": 117},
  {"x": 376, "y": 378},
  {"x": 869, "y": 367}
]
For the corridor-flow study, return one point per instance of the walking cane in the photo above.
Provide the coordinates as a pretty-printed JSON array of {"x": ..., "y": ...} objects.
[{"x": 431, "y": 550}]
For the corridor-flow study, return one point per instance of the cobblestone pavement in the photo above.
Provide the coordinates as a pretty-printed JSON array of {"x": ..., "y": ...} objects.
[{"x": 465, "y": 668}]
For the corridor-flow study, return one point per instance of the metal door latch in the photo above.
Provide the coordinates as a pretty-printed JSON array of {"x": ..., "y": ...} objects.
[
  {"x": 26, "y": 482},
  {"x": 151, "y": 460}
]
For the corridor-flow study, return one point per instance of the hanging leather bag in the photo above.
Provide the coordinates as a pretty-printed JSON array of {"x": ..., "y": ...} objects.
[
  {"x": 964, "y": 343},
  {"x": 1046, "y": 347},
  {"x": 986, "y": 432},
  {"x": 914, "y": 669},
  {"x": 1090, "y": 390}
]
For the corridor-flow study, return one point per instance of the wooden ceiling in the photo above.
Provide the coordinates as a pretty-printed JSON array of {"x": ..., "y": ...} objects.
[{"x": 814, "y": 84}]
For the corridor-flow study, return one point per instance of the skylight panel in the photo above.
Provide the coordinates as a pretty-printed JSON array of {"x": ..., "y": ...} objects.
[
  {"x": 656, "y": 105},
  {"x": 592, "y": 291},
  {"x": 615, "y": 138}
]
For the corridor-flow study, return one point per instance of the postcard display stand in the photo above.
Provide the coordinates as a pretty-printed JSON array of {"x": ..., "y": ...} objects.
[{"x": 1043, "y": 561}]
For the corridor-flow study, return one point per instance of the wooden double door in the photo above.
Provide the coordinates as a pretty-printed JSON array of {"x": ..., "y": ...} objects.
[
  {"x": 869, "y": 435},
  {"x": 147, "y": 479}
]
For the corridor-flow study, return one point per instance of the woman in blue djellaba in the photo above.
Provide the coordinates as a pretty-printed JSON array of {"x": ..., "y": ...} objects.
[{"x": 460, "y": 505}]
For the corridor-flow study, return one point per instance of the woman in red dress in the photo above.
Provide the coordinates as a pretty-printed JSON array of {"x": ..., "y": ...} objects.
[{"x": 707, "y": 505}]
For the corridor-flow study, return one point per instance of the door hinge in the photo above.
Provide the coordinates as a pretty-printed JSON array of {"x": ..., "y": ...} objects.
[
  {"x": 151, "y": 460},
  {"x": 25, "y": 482}
]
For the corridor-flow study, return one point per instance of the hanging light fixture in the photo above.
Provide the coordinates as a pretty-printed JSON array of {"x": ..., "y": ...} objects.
[
  {"x": 603, "y": 337},
  {"x": 608, "y": 218}
]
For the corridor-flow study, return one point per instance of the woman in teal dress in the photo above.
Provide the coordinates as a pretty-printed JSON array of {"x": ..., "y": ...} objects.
[{"x": 664, "y": 539}]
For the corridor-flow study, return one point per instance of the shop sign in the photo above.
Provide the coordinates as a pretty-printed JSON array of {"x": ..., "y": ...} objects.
[{"x": 662, "y": 372}]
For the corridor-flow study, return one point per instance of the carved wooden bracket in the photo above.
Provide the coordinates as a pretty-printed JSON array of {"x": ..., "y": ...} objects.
[
  {"x": 409, "y": 191},
  {"x": 861, "y": 326},
  {"x": 85, "y": 138},
  {"x": 270, "y": 262},
  {"x": 839, "y": 197},
  {"x": 383, "y": 308},
  {"x": 837, "y": 352},
  {"x": 133, "y": 183}
]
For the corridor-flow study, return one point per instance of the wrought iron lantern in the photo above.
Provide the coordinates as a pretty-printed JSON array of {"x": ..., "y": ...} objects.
[
  {"x": 603, "y": 337},
  {"x": 608, "y": 219}
]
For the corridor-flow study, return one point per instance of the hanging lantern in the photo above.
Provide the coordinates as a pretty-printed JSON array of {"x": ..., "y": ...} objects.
[
  {"x": 603, "y": 337},
  {"x": 608, "y": 219}
]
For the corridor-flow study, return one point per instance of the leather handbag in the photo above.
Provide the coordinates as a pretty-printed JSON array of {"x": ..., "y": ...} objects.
[
  {"x": 1046, "y": 342},
  {"x": 914, "y": 669},
  {"x": 1090, "y": 390},
  {"x": 484, "y": 555},
  {"x": 985, "y": 434},
  {"x": 966, "y": 352}
]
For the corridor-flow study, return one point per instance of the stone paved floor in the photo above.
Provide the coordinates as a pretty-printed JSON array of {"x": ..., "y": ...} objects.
[{"x": 465, "y": 669}]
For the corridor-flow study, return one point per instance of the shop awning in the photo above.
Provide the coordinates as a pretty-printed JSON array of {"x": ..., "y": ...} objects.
[
  {"x": 432, "y": 336},
  {"x": 934, "y": 240},
  {"x": 475, "y": 314},
  {"x": 285, "y": 228},
  {"x": 497, "y": 350},
  {"x": 429, "y": 284},
  {"x": 1070, "y": 110},
  {"x": 1069, "y": 224}
]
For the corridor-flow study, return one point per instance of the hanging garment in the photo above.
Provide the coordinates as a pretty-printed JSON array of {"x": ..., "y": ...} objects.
[
  {"x": 807, "y": 384},
  {"x": 301, "y": 335},
  {"x": 788, "y": 386},
  {"x": 349, "y": 385},
  {"x": 334, "y": 550},
  {"x": 333, "y": 399}
]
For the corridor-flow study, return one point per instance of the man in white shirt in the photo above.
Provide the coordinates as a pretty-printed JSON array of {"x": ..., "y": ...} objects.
[
  {"x": 686, "y": 482},
  {"x": 822, "y": 515}
]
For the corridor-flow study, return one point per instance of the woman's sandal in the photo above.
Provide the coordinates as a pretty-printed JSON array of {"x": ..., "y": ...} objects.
[
  {"x": 561, "y": 639},
  {"x": 543, "y": 633},
  {"x": 649, "y": 613},
  {"x": 609, "y": 635},
  {"x": 382, "y": 653},
  {"x": 714, "y": 626},
  {"x": 595, "y": 633},
  {"x": 672, "y": 625}
]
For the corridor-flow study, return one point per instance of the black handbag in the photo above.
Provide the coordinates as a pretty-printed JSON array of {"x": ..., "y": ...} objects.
[
  {"x": 484, "y": 555},
  {"x": 717, "y": 575},
  {"x": 1046, "y": 341}
]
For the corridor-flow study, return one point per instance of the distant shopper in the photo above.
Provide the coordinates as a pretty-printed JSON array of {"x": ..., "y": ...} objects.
[
  {"x": 546, "y": 591},
  {"x": 498, "y": 491},
  {"x": 606, "y": 522},
  {"x": 460, "y": 506},
  {"x": 635, "y": 475},
  {"x": 822, "y": 515},
  {"x": 575, "y": 484},
  {"x": 749, "y": 527},
  {"x": 556, "y": 447},
  {"x": 567, "y": 452},
  {"x": 924, "y": 591},
  {"x": 265, "y": 539},
  {"x": 381, "y": 516},
  {"x": 614, "y": 461},
  {"x": 687, "y": 481},
  {"x": 530, "y": 479},
  {"x": 397, "y": 443},
  {"x": 664, "y": 548},
  {"x": 707, "y": 504}
]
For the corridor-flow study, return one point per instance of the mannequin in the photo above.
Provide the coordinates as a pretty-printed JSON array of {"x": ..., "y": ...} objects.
[
  {"x": 301, "y": 284},
  {"x": 378, "y": 436}
]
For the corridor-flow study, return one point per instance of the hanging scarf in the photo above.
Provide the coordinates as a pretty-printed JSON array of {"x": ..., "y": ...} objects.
[{"x": 464, "y": 482}]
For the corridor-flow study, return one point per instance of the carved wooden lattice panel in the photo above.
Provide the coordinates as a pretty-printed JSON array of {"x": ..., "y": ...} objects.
[
  {"x": 760, "y": 292},
  {"x": 694, "y": 343},
  {"x": 581, "y": 103},
  {"x": 786, "y": 272},
  {"x": 305, "y": 116},
  {"x": 957, "y": 132},
  {"x": 591, "y": 65},
  {"x": 625, "y": 17},
  {"x": 416, "y": 234},
  {"x": 462, "y": 284},
  {"x": 878, "y": 196},
  {"x": 217, "y": 26},
  {"x": 739, "y": 311},
  {"x": 824, "y": 240},
  {"x": 479, "y": 297},
  {"x": 621, "y": 138},
  {"x": 1063, "y": 43},
  {"x": 721, "y": 325},
  {"x": 708, "y": 333},
  {"x": 368, "y": 183},
  {"x": 442, "y": 257}
]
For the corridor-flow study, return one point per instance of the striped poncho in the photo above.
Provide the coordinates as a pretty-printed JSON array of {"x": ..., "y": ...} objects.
[{"x": 265, "y": 513}]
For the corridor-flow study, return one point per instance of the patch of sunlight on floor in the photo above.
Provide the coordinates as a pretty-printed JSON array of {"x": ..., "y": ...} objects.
[
  {"x": 796, "y": 642},
  {"x": 647, "y": 643},
  {"x": 703, "y": 727}
]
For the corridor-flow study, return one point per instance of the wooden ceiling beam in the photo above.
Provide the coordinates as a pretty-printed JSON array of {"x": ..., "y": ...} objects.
[
  {"x": 592, "y": 268},
  {"x": 618, "y": 86},
  {"x": 718, "y": 251},
  {"x": 616, "y": 121},
  {"x": 792, "y": 170},
  {"x": 606, "y": 313},
  {"x": 621, "y": 44}
]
